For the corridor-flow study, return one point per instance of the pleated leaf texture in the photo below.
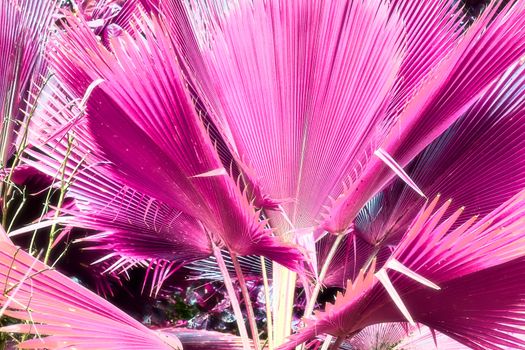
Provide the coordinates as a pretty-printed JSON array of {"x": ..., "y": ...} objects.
[
  {"x": 447, "y": 279},
  {"x": 24, "y": 26},
  {"x": 63, "y": 314},
  {"x": 330, "y": 84},
  {"x": 478, "y": 162},
  {"x": 141, "y": 119},
  {"x": 271, "y": 128}
]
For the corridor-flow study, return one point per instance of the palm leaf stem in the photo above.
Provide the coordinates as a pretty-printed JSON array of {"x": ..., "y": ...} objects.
[
  {"x": 311, "y": 304},
  {"x": 337, "y": 343},
  {"x": 247, "y": 301},
  {"x": 233, "y": 298},
  {"x": 269, "y": 322}
]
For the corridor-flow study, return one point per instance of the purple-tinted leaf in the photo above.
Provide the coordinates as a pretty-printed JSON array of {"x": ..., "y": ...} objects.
[
  {"x": 401, "y": 336},
  {"x": 24, "y": 26},
  {"x": 490, "y": 46},
  {"x": 271, "y": 74},
  {"x": 36, "y": 181},
  {"x": 432, "y": 30},
  {"x": 379, "y": 336},
  {"x": 136, "y": 227},
  {"x": 469, "y": 263},
  {"x": 425, "y": 338},
  {"x": 154, "y": 139},
  {"x": 477, "y": 163}
]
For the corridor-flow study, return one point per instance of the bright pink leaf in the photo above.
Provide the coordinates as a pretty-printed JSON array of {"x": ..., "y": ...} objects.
[
  {"x": 489, "y": 47},
  {"x": 154, "y": 139},
  {"x": 64, "y": 314}
]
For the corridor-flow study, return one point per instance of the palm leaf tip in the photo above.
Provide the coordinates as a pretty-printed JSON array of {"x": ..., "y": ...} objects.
[
  {"x": 442, "y": 93},
  {"x": 435, "y": 277},
  {"x": 62, "y": 313}
]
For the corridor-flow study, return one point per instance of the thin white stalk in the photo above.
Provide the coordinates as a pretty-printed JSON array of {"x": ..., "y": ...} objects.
[
  {"x": 310, "y": 306},
  {"x": 269, "y": 323},
  {"x": 233, "y": 297},
  {"x": 327, "y": 342},
  {"x": 247, "y": 301},
  {"x": 284, "y": 282}
]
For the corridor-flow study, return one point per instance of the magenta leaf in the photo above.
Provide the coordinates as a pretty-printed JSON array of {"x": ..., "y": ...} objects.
[
  {"x": 271, "y": 74},
  {"x": 486, "y": 50},
  {"x": 155, "y": 141},
  {"x": 459, "y": 261},
  {"x": 24, "y": 27}
]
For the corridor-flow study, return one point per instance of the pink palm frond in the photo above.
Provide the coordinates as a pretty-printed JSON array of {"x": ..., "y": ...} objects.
[
  {"x": 379, "y": 336},
  {"x": 471, "y": 162},
  {"x": 134, "y": 228},
  {"x": 401, "y": 336},
  {"x": 61, "y": 313},
  {"x": 422, "y": 337},
  {"x": 155, "y": 141},
  {"x": 24, "y": 26},
  {"x": 479, "y": 159},
  {"x": 351, "y": 256},
  {"x": 491, "y": 45},
  {"x": 432, "y": 30},
  {"x": 270, "y": 74},
  {"x": 458, "y": 262}
]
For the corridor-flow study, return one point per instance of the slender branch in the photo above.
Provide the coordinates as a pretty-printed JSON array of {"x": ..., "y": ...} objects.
[
  {"x": 269, "y": 321},
  {"x": 233, "y": 297},
  {"x": 61, "y": 198},
  {"x": 7, "y": 192},
  {"x": 247, "y": 302},
  {"x": 310, "y": 306},
  {"x": 324, "y": 269},
  {"x": 18, "y": 210}
]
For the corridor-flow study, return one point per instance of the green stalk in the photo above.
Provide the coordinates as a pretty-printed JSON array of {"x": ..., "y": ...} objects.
[
  {"x": 6, "y": 192},
  {"x": 63, "y": 189},
  {"x": 18, "y": 210}
]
